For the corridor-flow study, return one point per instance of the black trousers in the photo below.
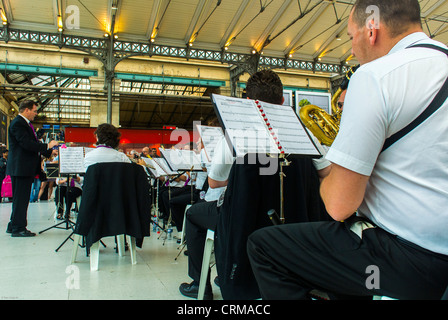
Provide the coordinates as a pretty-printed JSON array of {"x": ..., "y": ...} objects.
[
  {"x": 179, "y": 202},
  {"x": 21, "y": 191},
  {"x": 200, "y": 217},
  {"x": 68, "y": 195},
  {"x": 291, "y": 260},
  {"x": 171, "y": 193}
]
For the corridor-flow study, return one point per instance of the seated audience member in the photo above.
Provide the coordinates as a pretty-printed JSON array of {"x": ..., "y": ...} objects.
[
  {"x": 387, "y": 196},
  {"x": 108, "y": 139}
]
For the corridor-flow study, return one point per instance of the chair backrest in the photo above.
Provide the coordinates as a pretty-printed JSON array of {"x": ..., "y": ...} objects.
[{"x": 115, "y": 200}]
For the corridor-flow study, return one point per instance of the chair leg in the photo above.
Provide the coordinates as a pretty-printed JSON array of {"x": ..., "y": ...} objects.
[
  {"x": 132, "y": 249},
  {"x": 120, "y": 244},
  {"x": 94, "y": 256},
  {"x": 209, "y": 242},
  {"x": 182, "y": 238},
  {"x": 76, "y": 240}
]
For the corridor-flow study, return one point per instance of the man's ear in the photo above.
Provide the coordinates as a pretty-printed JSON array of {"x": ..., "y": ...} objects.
[
  {"x": 372, "y": 32},
  {"x": 283, "y": 100}
]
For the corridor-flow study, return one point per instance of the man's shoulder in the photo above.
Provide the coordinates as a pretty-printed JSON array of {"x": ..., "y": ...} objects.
[{"x": 18, "y": 121}]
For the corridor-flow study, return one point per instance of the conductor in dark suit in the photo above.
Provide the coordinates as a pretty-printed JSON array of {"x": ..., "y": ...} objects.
[{"x": 23, "y": 165}]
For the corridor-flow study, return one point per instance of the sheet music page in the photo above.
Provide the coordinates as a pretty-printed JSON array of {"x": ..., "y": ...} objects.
[
  {"x": 289, "y": 130},
  {"x": 71, "y": 160},
  {"x": 210, "y": 137},
  {"x": 244, "y": 125},
  {"x": 191, "y": 159},
  {"x": 164, "y": 166},
  {"x": 172, "y": 159},
  {"x": 158, "y": 171}
]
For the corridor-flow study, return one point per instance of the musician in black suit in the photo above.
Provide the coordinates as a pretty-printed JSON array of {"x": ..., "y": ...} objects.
[{"x": 23, "y": 165}]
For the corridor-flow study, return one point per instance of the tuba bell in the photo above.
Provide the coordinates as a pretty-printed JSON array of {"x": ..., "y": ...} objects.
[{"x": 322, "y": 125}]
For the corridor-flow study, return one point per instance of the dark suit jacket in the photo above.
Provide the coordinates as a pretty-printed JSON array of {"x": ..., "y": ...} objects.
[
  {"x": 24, "y": 150},
  {"x": 248, "y": 198},
  {"x": 115, "y": 200}
]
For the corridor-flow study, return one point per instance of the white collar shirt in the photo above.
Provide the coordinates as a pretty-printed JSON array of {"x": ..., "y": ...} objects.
[{"x": 407, "y": 193}]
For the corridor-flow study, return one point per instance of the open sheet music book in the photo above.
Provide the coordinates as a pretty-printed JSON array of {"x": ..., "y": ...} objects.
[
  {"x": 210, "y": 137},
  {"x": 260, "y": 127},
  {"x": 71, "y": 159},
  {"x": 182, "y": 160},
  {"x": 160, "y": 167}
]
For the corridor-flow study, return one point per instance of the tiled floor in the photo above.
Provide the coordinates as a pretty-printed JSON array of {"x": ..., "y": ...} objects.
[{"x": 30, "y": 268}]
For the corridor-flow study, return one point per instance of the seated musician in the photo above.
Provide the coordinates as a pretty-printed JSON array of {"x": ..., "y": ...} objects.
[
  {"x": 173, "y": 187},
  {"x": 68, "y": 193},
  {"x": 179, "y": 202},
  {"x": 265, "y": 86},
  {"x": 396, "y": 243},
  {"x": 108, "y": 139}
]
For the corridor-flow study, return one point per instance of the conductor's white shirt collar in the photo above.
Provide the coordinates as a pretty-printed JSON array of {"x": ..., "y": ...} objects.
[{"x": 27, "y": 121}]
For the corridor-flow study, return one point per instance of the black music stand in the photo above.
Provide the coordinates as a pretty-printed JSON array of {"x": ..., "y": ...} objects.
[
  {"x": 53, "y": 172},
  {"x": 66, "y": 224}
]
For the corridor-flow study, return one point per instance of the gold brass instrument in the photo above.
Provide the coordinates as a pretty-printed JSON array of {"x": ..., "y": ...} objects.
[{"x": 324, "y": 126}]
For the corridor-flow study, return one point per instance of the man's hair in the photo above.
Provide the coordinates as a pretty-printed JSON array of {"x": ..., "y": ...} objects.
[
  {"x": 26, "y": 104},
  {"x": 108, "y": 135},
  {"x": 265, "y": 86},
  {"x": 397, "y": 15}
]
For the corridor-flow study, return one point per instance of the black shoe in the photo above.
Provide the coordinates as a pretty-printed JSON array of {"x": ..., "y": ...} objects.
[
  {"x": 191, "y": 290},
  {"x": 23, "y": 234},
  {"x": 8, "y": 229}
]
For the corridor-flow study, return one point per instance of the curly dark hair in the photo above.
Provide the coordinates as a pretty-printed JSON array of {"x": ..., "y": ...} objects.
[
  {"x": 266, "y": 86},
  {"x": 108, "y": 135}
]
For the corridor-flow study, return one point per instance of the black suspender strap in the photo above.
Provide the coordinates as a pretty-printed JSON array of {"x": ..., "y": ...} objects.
[{"x": 438, "y": 101}]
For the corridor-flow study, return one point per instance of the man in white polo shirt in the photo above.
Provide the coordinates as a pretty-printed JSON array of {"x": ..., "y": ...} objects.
[{"x": 397, "y": 243}]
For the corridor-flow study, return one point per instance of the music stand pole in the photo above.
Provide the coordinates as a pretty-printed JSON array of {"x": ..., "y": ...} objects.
[
  {"x": 284, "y": 163},
  {"x": 68, "y": 223}
]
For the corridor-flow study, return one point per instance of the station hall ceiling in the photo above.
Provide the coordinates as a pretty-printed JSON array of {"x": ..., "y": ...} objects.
[{"x": 306, "y": 30}]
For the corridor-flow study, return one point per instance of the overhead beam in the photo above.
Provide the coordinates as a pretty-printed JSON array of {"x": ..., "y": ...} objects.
[
  {"x": 261, "y": 42},
  {"x": 234, "y": 24},
  {"x": 158, "y": 9},
  {"x": 202, "y": 7},
  {"x": 295, "y": 42},
  {"x": 331, "y": 38}
]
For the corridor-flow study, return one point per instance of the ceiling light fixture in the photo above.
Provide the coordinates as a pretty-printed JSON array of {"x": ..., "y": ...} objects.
[
  {"x": 3, "y": 16},
  {"x": 60, "y": 24}
]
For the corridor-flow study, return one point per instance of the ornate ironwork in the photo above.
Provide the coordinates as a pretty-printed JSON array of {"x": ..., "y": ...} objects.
[{"x": 99, "y": 47}]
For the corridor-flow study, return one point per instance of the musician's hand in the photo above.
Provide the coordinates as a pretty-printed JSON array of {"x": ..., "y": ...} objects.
[{"x": 52, "y": 144}]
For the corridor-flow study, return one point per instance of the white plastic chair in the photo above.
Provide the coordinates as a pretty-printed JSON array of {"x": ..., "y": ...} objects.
[
  {"x": 182, "y": 238},
  {"x": 95, "y": 250},
  {"x": 206, "y": 260}
]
